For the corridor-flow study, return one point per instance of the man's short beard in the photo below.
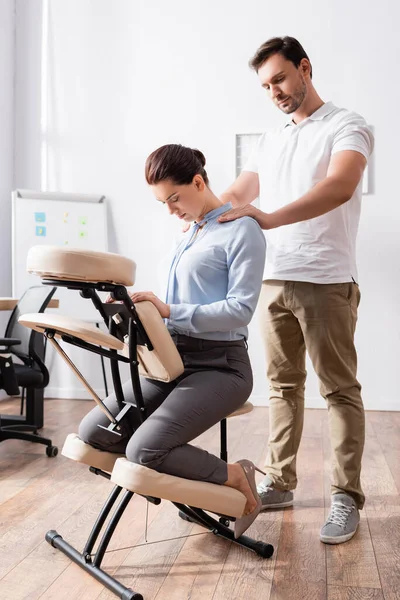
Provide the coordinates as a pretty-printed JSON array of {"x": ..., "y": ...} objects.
[{"x": 297, "y": 100}]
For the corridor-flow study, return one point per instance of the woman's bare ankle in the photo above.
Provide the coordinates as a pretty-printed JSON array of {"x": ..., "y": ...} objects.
[
  {"x": 235, "y": 473},
  {"x": 238, "y": 480}
]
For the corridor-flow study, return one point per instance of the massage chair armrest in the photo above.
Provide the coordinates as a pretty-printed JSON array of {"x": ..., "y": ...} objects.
[{"x": 7, "y": 342}]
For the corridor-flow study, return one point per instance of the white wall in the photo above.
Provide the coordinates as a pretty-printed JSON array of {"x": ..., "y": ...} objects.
[
  {"x": 28, "y": 99},
  {"x": 125, "y": 77},
  {"x": 7, "y": 45},
  {"x": 7, "y": 42}
]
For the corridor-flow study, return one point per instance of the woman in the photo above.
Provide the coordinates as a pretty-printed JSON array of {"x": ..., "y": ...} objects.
[{"x": 212, "y": 287}]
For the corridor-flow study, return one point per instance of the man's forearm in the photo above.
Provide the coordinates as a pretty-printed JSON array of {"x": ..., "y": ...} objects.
[
  {"x": 344, "y": 174},
  {"x": 227, "y": 197},
  {"x": 232, "y": 198},
  {"x": 321, "y": 199}
]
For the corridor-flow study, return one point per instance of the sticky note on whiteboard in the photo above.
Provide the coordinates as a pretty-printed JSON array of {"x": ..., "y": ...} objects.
[
  {"x": 40, "y": 231},
  {"x": 40, "y": 217}
]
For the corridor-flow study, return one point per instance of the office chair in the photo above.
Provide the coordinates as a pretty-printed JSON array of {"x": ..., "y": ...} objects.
[{"x": 30, "y": 372}]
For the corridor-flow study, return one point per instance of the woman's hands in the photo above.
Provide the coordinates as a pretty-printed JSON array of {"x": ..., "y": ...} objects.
[{"x": 162, "y": 308}]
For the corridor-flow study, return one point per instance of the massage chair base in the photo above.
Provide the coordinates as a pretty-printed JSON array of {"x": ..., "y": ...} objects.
[
  {"x": 223, "y": 520},
  {"x": 55, "y": 540},
  {"x": 92, "y": 564},
  {"x": 130, "y": 479}
]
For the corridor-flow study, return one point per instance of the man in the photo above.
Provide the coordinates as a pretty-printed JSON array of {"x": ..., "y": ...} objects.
[{"x": 308, "y": 176}]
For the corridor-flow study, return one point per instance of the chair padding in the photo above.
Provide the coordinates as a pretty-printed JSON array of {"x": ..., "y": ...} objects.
[
  {"x": 75, "y": 449},
  {"x": 246, "y": 408},
  {"x": 164, "y": 362},
  {"x": 147, "y": 482},
  {"x": 77, "y": 264},
  {"x": 215, "y": 498},
  {"x": 71, "y": 326}
]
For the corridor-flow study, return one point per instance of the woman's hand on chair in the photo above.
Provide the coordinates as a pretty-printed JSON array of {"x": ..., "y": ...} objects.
[{"x": 163, "y": 309}]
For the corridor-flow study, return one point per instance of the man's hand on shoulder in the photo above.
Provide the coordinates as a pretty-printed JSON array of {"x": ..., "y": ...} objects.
[{"x": 246, "y": 211}]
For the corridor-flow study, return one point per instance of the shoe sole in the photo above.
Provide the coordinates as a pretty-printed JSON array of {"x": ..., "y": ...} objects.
[
  {"x": 277, "y": 505},
  {"x": 326, "y": 539}
]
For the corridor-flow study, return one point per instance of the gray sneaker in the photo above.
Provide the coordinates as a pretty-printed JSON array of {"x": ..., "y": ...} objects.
[
  {"x": 273, "y": 498},
  {"x": 342, "y": 521}
]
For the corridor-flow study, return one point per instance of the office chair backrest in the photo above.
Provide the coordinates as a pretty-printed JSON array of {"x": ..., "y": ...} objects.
[{"x": 35, "y": 299}]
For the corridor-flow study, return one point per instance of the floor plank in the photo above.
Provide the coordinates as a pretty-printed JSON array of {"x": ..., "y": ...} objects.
[
  {"x": 383, "y": 513},
  {"x": 352, "y": 564},
  {"x": 38, "y": 493},
  {"x": 244, "y": 574},
  {"x": 351, "y": 593},
  {"x": 300, "y": 565}
]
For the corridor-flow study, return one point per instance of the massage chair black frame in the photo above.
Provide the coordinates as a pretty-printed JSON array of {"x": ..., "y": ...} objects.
[{"x": 88, "y": 559}]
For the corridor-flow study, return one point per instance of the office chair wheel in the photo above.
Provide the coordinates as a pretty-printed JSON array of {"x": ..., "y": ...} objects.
[
  {"x": 224, "y": 521},
  {"x": 51, "y": 451},
  {"x": 264, "y": 550}
]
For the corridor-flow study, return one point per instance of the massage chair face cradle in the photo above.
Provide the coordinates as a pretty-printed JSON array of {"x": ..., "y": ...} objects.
[{"x": 137, "y": 336}]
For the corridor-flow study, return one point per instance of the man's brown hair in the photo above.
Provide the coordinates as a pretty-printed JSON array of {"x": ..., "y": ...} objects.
[{"x": 287, "y": 46}]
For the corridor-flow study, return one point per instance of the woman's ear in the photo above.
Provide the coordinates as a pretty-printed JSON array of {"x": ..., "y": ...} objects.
[{"x": 198, "y": 182}]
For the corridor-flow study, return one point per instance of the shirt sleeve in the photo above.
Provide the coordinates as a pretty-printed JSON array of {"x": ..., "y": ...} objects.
[
  {"x": 353, "y": 134},
  {"x": 245, "y": 258},
  {"x": 251, "y": 163}
]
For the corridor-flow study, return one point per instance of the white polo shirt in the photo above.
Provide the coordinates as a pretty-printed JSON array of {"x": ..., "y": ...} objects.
[{"x": 289, "y": 162}]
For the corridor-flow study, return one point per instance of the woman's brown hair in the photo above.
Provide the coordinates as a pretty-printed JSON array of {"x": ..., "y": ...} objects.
[{"x": 175, "y": 162}]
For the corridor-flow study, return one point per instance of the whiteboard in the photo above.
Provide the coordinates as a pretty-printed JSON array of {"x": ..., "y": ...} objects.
[{"x": 57, "y": 219}]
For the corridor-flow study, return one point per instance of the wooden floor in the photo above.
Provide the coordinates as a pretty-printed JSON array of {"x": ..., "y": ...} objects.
[{"x": 39, "y": 493}]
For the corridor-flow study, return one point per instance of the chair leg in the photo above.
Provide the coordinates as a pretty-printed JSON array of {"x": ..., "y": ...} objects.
[
  {"x": 200, "y": 517},
  {"x": 84, "y": 559},
  {"x": 21, "y": 412},
  {"x": 224, "y": 443},
  {"x": 105, "y": 540},
  {"x": 223, "y": 455},
  {"x": 34, "y": 407},
  {"x": 103, "y": 366},
  {"x": 101, "y": 519},
  {"x": 34, "y": 412}
]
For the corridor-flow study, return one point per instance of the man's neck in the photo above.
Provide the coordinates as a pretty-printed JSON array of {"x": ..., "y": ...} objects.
[{"x": 310, "y": 105}]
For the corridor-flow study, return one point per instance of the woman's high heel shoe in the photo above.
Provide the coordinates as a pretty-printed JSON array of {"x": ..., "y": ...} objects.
[{"x": 244, "y": 522}]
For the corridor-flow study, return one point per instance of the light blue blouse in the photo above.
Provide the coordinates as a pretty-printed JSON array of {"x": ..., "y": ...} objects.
[{"x": 215, "y": 278}]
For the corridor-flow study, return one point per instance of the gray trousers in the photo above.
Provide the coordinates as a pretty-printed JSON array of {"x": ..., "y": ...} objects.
[{"x": 217, "y": 380}]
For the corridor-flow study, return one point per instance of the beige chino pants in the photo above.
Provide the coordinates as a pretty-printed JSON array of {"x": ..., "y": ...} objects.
[{"x": 319, "y": 318}]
